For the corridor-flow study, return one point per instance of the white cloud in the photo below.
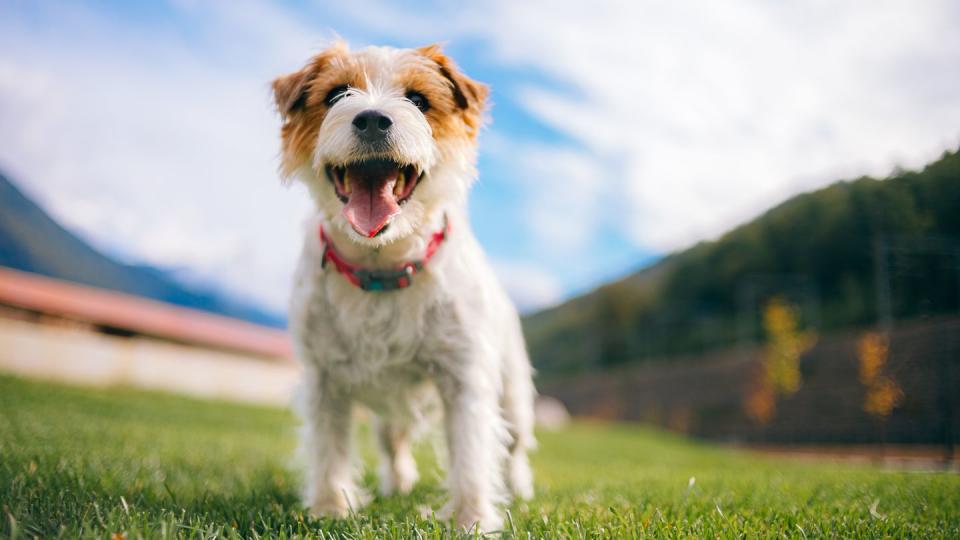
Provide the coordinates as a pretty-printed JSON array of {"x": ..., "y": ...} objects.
[
  {"x": 154, "y": 149},
  {"x": 716, "y": 111},
  {"x": 530, "y": 286},
  {"x": 561, "y": 201}
]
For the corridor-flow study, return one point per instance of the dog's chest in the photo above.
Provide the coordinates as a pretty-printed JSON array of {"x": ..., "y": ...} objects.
[{"x": 362, "y": 339}]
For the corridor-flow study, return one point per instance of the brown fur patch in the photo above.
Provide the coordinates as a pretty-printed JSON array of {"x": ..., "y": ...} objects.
[
  {"x": 300, "y": 99},
  {"x": 445, "y": 116},
  {"x": 470, "y": 96}
]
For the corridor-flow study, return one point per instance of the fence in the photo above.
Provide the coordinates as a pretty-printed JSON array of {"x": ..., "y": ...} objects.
[{"x": 705, "y": 395}]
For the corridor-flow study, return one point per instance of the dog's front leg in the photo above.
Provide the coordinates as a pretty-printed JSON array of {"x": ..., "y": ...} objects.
[
  {"x": 331, "y": 488},
  {"x": 475, "y": 440}
]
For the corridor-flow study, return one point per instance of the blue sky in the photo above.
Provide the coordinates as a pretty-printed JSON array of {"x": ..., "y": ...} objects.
[{"x": 620, "y": 131}]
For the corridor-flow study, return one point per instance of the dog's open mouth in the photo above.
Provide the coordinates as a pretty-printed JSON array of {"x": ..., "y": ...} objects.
[{"x": 372, "y": 191}]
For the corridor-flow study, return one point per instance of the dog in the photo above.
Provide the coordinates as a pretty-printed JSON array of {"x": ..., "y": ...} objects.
[{"x": 394, "y": 305}]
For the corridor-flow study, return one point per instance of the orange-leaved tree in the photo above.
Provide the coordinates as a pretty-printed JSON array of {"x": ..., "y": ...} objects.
[
  {"x": 883, "y": 392},
  {"x": 779, "y": 372}
]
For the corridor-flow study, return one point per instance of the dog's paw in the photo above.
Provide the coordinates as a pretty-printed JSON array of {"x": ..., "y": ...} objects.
[
  {"x": 397, "y": 484},
  {"x": 399, "y": 479},
  {"x": 483, "y": 518},
  {"x": 520, "y": 477},
  {"x": 484, "y": 522},
  {"x": 329, "y": 509},
  {"x": 338, "y": 504}
]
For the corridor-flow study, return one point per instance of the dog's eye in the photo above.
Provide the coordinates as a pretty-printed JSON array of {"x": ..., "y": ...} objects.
[
  {"x": 334, "y": 95},
  {"x": 418, "y": 101}
]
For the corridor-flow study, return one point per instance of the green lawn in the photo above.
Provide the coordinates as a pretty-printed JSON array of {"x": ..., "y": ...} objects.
[{"x": 77, "y": 462}]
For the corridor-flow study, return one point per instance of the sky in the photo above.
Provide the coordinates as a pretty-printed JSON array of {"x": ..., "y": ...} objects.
[{"x": 620, "y": 131}]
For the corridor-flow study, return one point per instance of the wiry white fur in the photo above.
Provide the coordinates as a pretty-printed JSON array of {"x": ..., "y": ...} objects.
[{"x": 452, "y": 340}]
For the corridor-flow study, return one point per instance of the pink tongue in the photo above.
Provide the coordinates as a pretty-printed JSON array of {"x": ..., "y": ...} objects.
[{"x": 371, "y": 203}]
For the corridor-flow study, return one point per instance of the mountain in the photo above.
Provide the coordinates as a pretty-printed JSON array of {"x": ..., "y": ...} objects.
[
  {"x": 818, "y": 250},
  {"x": 30, "y": 240}
]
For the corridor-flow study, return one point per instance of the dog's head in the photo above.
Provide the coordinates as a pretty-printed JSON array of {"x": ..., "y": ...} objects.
[{"x": 382, "y": 137}]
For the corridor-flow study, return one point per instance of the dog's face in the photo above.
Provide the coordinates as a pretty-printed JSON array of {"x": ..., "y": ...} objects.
[{"x": 381, "y": 137}]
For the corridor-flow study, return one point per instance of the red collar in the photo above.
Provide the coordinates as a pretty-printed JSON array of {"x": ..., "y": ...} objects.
[{"x": 400, "y": 277}]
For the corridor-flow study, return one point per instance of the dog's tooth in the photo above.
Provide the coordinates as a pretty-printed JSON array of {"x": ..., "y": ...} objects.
[
  {"x": 398, "y": 187},
  {"x": 347, "y": 189}
]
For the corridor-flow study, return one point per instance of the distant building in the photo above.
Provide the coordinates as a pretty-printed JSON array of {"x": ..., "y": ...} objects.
[{"x": 63, "y": 331}]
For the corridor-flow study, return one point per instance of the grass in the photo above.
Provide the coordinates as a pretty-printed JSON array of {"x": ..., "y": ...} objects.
[{"x": 124, "y": 463}]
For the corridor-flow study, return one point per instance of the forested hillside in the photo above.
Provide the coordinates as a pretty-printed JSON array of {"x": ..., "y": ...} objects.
[{"x": 818, "y": 250}]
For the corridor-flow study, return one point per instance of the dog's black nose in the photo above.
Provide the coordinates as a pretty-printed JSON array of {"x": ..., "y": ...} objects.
[{"x": 372, "y": 126}]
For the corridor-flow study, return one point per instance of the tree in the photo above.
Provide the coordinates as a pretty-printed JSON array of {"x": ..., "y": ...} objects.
[
  {"x": 780, "y": 364},
  {"x": 883, "y": 392}
]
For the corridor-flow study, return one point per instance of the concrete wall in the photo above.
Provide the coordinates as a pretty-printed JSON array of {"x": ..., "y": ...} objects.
[{"x": 79, "y": 356}]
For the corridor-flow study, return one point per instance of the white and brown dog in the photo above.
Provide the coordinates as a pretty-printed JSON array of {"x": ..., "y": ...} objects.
[{"x": 394, "y": 302}]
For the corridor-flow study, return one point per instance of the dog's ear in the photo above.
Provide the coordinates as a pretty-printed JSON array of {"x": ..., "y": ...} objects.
[
  {"x": 290, "y": 91},
  {"x": 469, "y": 95}
]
